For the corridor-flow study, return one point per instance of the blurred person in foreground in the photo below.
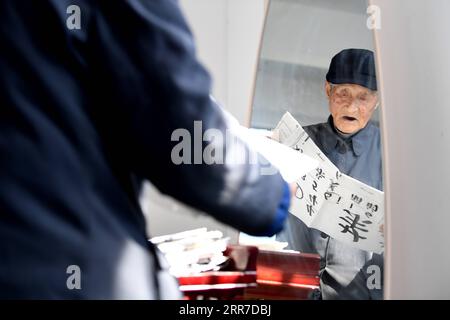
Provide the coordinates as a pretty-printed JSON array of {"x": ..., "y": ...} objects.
[{"x": 88, "y": 107}]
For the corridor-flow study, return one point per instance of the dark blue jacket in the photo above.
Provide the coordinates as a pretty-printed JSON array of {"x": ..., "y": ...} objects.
[
  {"x": 82, "y": 113},
  {"x": 344, "y": 269}
]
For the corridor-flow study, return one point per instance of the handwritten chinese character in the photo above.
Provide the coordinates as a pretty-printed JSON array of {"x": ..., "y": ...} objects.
[
  {"x": 299, "y": 193},
  {"x": 353, "y": 225},
  {"x": 310, "y": 209},
  {"x": 319, "y": 173},
  {"x": 333, "y": 186},
  {"x": 297, "y": 148},
  {"x": 371, "y": 209},
  {"x": 313, "y": 199},
  {"x": 357, "y": 199}
]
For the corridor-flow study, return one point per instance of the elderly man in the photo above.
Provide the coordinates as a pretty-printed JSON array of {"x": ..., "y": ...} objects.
[
  {"x": 87, "y": 111},
  {"x": 352, "y": 143}
]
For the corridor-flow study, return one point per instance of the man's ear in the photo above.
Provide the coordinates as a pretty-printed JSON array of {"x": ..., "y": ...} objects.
[
  {"x": 378, "y": 103},
  {"x": 327, "y": 89}
]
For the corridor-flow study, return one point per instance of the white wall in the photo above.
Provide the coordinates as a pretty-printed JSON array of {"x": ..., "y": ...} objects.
[
  {"x": 414, "y": 74},
  {"x": 245, "y": 26},
  {"x": 208, "y": 22},
  {"x": 227, "y": 34}
]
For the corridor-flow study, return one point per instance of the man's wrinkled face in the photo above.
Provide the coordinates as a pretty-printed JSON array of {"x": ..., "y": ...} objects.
[{"x": 351, "y": 106}]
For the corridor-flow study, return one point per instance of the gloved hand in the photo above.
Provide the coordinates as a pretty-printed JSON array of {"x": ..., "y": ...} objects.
[{"x": 282, "y": 210}]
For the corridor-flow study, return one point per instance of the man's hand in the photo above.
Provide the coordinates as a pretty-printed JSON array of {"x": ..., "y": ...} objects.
[
  {"x": 293, "y": 187},
  {"x": 275, "y": 135},
  {"x": 381, "y": 229}
]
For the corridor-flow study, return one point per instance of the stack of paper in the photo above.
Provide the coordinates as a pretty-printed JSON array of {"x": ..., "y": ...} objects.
[
  {"x": 291, "y": 165},
  {"x": 193, "y": 251},
  {"x": 263, "y": 243}
]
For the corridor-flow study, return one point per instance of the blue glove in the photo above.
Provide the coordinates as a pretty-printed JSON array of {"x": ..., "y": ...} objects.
[{"x": 281, "y": 214}]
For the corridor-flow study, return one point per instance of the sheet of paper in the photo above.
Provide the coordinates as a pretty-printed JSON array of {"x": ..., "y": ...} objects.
[
  {"x": 356, "y": 210},
  {"x": 342, "y": 207},
  {"x": 291, "y": 164}
]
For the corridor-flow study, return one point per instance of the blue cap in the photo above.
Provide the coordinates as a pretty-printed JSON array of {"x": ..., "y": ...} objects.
[{"x": 356, "y": 66}]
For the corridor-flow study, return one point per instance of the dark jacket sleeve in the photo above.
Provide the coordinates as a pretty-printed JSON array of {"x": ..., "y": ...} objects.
[{"x": 148, "y": 83}]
